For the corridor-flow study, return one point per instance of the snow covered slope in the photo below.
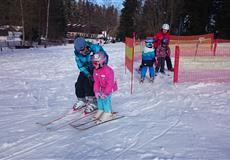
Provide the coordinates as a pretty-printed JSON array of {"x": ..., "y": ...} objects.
[{"x": 163, "y": 121}]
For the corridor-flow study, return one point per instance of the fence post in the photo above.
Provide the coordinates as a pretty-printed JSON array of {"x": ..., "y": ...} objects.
[
  {"x": 176, "y": 64},
  {"x": 214, "y": 48},
  {"x": 134, "y": 43}
]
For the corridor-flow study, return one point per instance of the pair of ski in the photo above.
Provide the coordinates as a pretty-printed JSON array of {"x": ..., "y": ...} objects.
[
  {"x": 150, "y": 81},
  {"x": 61, "y": 117},
  {"x": 93, "y": 122},
  {"x": 162, "y": 74},
  {"x": 89, "y": 122},
  {"x": 62, "y": 120}
]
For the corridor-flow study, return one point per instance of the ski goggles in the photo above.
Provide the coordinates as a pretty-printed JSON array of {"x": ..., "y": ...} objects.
[{"x": 82, "y": 49}]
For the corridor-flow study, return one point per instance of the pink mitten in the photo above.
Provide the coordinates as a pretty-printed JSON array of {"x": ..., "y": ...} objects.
[
  {"x": 103, "y": 96},
  {"x": 97, "y": 95}
]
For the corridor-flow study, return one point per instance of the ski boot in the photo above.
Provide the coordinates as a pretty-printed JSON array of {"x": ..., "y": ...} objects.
[
  {"x": 106, "y": 116},
  {"x": 98, "y": 114},
  {"x": 142, "y": 80},
  {"x": 79, "y": 104},
  {"x": 91, "y": 104},
  {"x": 171, "y": 69},
  {"x": 151, "y": 79},
  {"x": 90, "y": 108}
]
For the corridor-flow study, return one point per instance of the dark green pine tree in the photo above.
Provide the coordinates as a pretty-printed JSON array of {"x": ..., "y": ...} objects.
[
  {"x": 69, "y": 6},
  {"x": 199, "y": 11},
  {"x": 149, "y": 18},
  {"x": 31, "y": 11},
  {"x": 57, "y": 20},
  {"x": 10, "y": 12},
  {"x": 127, "y": 19},
  {"x": 223, "y": 25}
]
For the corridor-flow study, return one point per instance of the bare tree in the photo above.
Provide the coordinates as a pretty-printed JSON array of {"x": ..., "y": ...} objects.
[
  {"x": 23, "y": 24},
  {"x": 47, "y": 22}
]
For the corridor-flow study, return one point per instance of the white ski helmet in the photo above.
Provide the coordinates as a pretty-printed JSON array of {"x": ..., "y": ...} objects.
[{"x": 165, "y": 26}]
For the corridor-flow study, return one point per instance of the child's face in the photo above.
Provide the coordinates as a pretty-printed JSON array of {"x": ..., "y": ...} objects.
[
  {"x": 83, "y": 51},
  {"x": 165, "y": 31},
  {"x": 149, "y": 45},
  {"x": 96, "y": 64},
  {"x": 164, "y": 45}
]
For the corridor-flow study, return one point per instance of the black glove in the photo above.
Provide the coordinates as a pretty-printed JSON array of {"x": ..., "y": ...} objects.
[{"x": 90, "y": 78}]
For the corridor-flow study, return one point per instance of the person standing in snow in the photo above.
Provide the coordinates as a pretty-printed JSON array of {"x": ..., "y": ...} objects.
[
  {"x": 159, "y": 36},
  {"x": 161, "y": 52},
  {"x": 104, "y": 85},
  {"x": 148, "y": 59},
  {"x": 84, "y": 85}
]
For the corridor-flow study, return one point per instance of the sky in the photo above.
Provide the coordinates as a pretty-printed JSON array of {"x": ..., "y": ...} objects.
[
  {"x": 163, "y": 121},
  {"x": 116, "y": 3}
]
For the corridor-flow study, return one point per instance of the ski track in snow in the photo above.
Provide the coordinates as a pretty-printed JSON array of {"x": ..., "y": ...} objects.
[
  {"x": 137, "y": 146},
  {"x": 27, "y": 147}
]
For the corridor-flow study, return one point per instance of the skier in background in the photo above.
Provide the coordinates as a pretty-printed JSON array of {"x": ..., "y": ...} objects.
[
  {"x": 84, "y": 85},
  {"x": 148, "y": 59},
  {"x": 164, "y": 33},
  {"x": 104, "y": 85},
  {"x": 162, "y": 51}
]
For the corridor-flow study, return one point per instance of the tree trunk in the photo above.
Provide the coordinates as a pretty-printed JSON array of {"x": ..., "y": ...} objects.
[
  {"x": 47, "y": 22},
  {"x": 23, "y": 24}
]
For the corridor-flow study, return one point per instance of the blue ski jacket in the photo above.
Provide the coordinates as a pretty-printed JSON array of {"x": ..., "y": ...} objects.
[{"x": 148, "y": 54}]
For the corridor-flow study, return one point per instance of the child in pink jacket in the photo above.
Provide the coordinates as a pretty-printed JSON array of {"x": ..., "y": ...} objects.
[{"x": 104, "y": 85}]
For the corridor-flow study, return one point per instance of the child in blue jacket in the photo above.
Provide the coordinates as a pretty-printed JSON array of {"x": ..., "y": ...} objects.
[
  {"x": 148, "y": 59},
  {"x": 84, "y": 85}
]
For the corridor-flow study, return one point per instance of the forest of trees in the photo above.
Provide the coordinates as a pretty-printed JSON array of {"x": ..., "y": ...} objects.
[
  {"x": 34, "y": 15},
  {"x": 145, "y": 17},
  {"x": 54, "y": 18},
  {"x": 63, "y": 15}
]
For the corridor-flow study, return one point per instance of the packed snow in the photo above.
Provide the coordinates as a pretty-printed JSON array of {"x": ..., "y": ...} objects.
[{"x": 163, "y": 121}]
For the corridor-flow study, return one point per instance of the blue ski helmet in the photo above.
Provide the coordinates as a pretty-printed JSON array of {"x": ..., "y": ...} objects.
[
  {"x": 79, "y": 44},
  {"x": 149, "y": 42},
  {"x": 165, "y": 41}
]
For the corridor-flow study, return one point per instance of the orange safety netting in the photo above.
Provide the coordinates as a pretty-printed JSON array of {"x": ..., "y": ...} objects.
[
  {"x": 138, "y": 50},
  {"x": 193, "y": 45},
  {"x": 202, "y": 59},
  {"x": 198, "y": 58}
]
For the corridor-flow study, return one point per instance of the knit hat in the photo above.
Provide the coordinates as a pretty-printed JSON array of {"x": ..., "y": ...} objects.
[{"x": 79, "y": 43}]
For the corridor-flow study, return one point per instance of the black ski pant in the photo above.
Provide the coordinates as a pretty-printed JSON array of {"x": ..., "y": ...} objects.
[
  {"x": 83, "y": 86},
  {"x": 168, "y": 62},
  {"x": 160, "y": 64}
]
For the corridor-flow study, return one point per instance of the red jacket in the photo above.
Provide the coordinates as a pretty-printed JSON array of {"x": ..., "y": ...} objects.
[{"x": 159, "y": 36}]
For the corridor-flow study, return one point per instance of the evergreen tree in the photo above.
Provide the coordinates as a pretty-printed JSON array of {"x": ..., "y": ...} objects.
[
  {"x": 223, "y": 25},
  {"x": 149, "y": 18},
  {"x": 10, "y": 12},
  {"x": 127, "y": 19},
  {"x": 145, "y": 17},
  {"x": 57, "y": 20},
  {"x": 198, "y": 10}
]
